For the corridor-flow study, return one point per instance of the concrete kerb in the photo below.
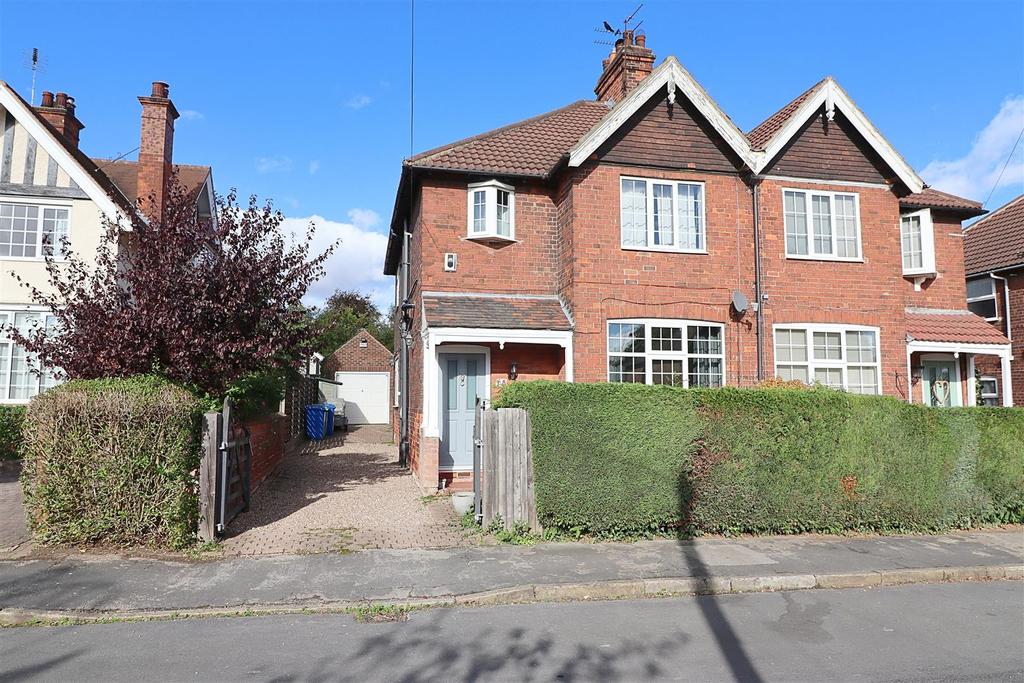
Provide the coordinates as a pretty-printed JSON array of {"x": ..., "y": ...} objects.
[{"x": 565, "y": 592}]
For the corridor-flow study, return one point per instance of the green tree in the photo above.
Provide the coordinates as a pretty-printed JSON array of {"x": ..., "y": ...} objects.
[{"x": 343, "y": 314}]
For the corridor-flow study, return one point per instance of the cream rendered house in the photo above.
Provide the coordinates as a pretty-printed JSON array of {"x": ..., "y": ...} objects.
[{"x": 50, "y": 189}]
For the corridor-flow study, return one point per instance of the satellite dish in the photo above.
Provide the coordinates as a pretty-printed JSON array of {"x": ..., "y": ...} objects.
[{"x": 739, "y": 301}]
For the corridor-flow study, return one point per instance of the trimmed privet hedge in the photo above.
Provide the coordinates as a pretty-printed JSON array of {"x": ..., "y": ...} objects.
[
  {"x": 11, "y": 419},
  {"x": 617, "y": 460},
  {"x": 113, "y": 461}
]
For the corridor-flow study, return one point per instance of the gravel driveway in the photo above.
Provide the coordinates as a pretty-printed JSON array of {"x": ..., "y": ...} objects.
[{"x": 343, "y": 494}]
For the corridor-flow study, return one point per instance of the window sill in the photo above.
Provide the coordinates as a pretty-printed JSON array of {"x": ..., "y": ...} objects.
[
  {"x": 491, "y": 238},
  {"x": 829, "y": 259},
  {"x": 927, "y": 274},
  {"x": 664, "y": 250}
]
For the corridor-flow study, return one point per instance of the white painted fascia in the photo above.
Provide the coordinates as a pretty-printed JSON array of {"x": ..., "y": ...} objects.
[
  {"x": 670, "y": 75},
  {"x": 833, "y": 96},
  {"x": 469, "y": 335},
  {"x": 1001, "y": 350},
  {"x": 56, "y": 150}
]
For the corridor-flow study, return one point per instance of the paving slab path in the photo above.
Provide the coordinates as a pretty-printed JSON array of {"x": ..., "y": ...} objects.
[{"x": 14, "y": 536}]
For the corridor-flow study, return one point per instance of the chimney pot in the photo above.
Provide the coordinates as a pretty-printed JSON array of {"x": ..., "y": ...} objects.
[
  {"x": 160, "y": 89},
  {"x": 641, "y": 40},
  {"x": 59, "y": 112},
  {"x": 62, "y": 99},
  {"x": 47, "y": 99}
]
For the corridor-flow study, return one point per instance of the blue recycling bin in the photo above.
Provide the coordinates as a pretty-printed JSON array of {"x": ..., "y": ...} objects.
[
  {"x": 329, "y": 417},
  {"x": 316, "y": 421}
]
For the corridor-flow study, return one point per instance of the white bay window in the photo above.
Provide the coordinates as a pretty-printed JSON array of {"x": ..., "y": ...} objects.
[
  {"x": 822, "y": 225},
  {"x": 491, "y": 211},
  {"x": 680, "y": 353},
  {"x": 917, "y": 242},
  {"x": 21, "y": 376},
  {"x": 662, "y": 215},
  {"x": 839, "y": 357}
]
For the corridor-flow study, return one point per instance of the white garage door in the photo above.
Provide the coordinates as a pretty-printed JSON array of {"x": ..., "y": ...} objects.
[{"x": 366, "y": 396}]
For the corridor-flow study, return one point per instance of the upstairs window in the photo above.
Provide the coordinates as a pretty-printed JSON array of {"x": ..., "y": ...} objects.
[
  {"x": 30, "y": 231},
  {"x": 491, "y": 211},
  {"x": 918, "y": 243},
  {"x": 822, "y": 225},
  {"x": 662, "y": 215},
  {"x": 981, "y": 298}
]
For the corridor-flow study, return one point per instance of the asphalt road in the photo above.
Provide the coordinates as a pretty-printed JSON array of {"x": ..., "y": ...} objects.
[{"x": 942, "y": 632}]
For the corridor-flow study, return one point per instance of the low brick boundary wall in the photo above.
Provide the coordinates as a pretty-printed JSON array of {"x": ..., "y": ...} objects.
[{"x": 268, "y": 437}]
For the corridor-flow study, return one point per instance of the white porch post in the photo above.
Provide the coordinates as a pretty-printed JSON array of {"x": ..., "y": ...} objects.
[
  {"x": 972, "y": 392},
  {"x": 1004, "y": 363}
]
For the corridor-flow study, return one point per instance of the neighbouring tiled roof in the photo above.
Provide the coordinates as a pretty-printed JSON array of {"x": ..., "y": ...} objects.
[
  {"x": 497, "y": 311},
  {"x": 997, "y": 240},
  {"x": 533, "y": 147},
  {"x": 935, "y": 325},
  {"x": 125, "y": 174},
  {"x": 930, "y": 198},
  {"x": 765, "y": 130}
]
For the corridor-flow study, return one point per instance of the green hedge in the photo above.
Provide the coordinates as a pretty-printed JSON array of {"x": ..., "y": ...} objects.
[
  {"x": 626, "y": 460},
  {"x": 113, "y": 461},
  {"x": 11, "y": 419}
]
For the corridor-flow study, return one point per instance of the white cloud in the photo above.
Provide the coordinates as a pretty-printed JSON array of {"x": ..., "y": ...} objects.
[
  {"x": 358, "y": 101},
  {"x": 357, "y": 263},
  {"x": 192, "y": 115},
  {"x": 974, "y": 174},
  {"x": 314, "y": 166},
  {"x": 273, "y": 164},
  {"x": 364, "y": 219}
]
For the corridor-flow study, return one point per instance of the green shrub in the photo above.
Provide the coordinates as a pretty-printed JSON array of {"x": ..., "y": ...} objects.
[
  {"x": 627, "y": 460},
  {"x": 113, "y": 461},
  {"x": 11, "y": 419}
]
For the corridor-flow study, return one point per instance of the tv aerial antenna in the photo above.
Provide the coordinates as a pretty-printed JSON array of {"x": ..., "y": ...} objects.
[
  {"x": 36, "y": 64},
  {"x": 627, "y": 25}
]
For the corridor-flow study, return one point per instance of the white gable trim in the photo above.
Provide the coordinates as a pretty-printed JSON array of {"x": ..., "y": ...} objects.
[
  {"x": 45, "y": 139},
  {"x": 669, "y": 75},
  {"x": 833, "y": 96}
]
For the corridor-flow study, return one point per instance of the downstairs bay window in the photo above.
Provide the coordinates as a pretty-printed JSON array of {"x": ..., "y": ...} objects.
[
  {"x": 680, "y": 353},
  {"x": 839, "y": 357},
  {"x": 662, "y": 215},
  {"x": 21, "y": 377}
]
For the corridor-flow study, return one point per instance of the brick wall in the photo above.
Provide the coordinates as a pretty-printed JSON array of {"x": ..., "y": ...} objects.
[
  {"x": 989, "y": 365},
  {"x": 361, "y": 353}
]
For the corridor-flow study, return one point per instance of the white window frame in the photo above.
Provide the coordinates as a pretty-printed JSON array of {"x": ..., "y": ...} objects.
[
  {"x": 843, "y": 363},
  {"x": 649, "y": 198},
  {"x": 650, "y": 354},
  {"x": 811, "y": 255},
  {"x": 927, "y": 266},
  {"x": 490, "y": 189},
  {"x": 7, "y": 346},
  {"x": 994, "y": 297},
  {"x": 988, "y": 395},
  {"x": 58, "y": 253}
]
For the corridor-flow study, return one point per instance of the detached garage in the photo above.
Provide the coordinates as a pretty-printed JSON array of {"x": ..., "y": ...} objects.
[{"x": 364, "y": 367}]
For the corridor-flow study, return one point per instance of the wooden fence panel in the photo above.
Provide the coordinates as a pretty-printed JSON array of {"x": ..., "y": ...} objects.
[
  {"x": 506, "y": 454},
  {"x": 208, "y": 477}
]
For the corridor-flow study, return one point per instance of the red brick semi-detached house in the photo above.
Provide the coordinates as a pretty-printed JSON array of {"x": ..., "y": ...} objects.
[
  {"x": 994, "y": 264},
  {"x": 642, "y": 237}
]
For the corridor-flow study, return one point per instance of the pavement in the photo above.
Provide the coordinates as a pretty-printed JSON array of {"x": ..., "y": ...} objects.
[
  {"x": 929, "y": 632},
  {"x": 14, "y": 537},
  {"x": 98, "y": 586}
]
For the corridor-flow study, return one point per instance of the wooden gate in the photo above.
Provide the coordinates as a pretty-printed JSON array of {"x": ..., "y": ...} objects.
[
  {"x": 503, "y": 467},
  {"x": 225, "y": 473}
]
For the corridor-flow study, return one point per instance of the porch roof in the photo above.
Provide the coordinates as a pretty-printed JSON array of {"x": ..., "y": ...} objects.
[
  {"x": 495, "y": 311},
  {"x": 951, "y": 326}
]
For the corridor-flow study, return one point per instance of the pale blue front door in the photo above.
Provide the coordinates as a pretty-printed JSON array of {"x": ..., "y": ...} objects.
[{"x": 462, "y": 381}]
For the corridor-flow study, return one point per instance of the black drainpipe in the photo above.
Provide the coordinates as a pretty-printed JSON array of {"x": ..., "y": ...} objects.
[
  {"x": 404, "y": 334},
  {"x": 759, "y": 297}
]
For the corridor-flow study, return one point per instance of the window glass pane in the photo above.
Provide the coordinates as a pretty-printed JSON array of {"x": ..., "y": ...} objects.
[
  {"x": 664, "y": 231},
  {"x": 634, "y": 213},
  {"x": 625, "y": 338},
  {"x": 19, "y": 230},
  {"x": 479, "y": 211},
  {"x": 791, "y": 345},
  {"x": 55, "y": 230},
  {"x": 860, "y": 347},
  {"x": 792, "y": 372},
  {"x": 666, "y": 371},
  {"x": 504, "y": 213},
  {"x": 705, "y": 372},
  {"x": 795, "y": 204},
  {"x": 821, "y": 209},
  {"x": 666, "y": 338},
  {"x": 627, "y": 369},
  {"x": 862, "y": 380},
  {"x": 828, "y": 346},
  {"x": 830, "y": 377},
  {"x": 980, "y": 288},
  {"x": 453, "y": 385},
  {"x": 691, "y": 210},
  {"x": 704, "y": 339},
  {"x": 910, "y": 236},
  {"x": 846, "y": 226},
  {"x": 986, "y": 308},
  {"x": 470, "y": 383}
]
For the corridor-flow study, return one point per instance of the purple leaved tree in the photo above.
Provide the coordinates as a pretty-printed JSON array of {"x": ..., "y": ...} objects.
[{"x": 200, "y": 302}]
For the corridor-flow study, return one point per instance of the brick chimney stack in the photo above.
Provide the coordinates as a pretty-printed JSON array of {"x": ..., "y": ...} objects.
[
  {"x": 630, "y": 62},
  {"x": 156, "y": 149},
  {"x": 59, "y": 112}
]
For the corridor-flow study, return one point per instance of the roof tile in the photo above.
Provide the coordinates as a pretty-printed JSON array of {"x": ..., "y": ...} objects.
[
  {"x": 767, "y": 129},
  {"x": 997, "y": 240},
  {"x": 495, "y": 311},
  {"x": 951, "y": 326},
  {"x": 930, "y": 198}
]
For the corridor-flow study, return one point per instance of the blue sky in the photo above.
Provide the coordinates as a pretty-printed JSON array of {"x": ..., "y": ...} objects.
[{"x": 308, "y": 102}]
